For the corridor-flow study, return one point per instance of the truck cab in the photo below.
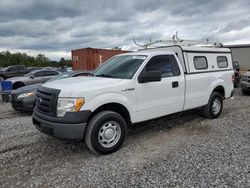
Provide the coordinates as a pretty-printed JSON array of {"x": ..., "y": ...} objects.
[{"x": 131, "y": 88}]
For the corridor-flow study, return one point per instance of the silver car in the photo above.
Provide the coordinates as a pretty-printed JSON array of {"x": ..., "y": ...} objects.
[{"x": 34, "y": 77}]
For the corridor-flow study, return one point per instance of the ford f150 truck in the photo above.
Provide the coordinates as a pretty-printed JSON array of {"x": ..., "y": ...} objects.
[{"x": 134, "y": 87}]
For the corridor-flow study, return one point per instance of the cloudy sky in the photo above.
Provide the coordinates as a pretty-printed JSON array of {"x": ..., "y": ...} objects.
[{"x": 56, "y": 27}]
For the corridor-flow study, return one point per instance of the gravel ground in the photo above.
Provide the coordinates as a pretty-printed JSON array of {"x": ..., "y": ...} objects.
[{"x": 183, "y": 150}]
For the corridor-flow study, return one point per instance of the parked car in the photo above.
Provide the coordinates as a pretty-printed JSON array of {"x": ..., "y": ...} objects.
[
  {"x": 34, "y": 77},
  {"x": 236, "y": 67},
  {"x": 245, "y": 83},
  {"x": 23, "y": 99},
  {"x": 12, "y": 71},
  {"x": 34, "y": 68},
  {"x": 132, "y": 88}
]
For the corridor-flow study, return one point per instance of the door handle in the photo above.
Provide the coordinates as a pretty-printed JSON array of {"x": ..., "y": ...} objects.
[{"x": 175, "y": 84}]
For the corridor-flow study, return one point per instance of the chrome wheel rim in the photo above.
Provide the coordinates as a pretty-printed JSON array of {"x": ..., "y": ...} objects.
[
  {"x": 109, "y": 134},
  {"x": 216, "y": 106}
]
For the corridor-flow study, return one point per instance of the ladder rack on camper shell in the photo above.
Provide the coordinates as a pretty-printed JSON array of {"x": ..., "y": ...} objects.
[
  {"x": 186, "y": 53},
  {"x": 181, "y": 42}
]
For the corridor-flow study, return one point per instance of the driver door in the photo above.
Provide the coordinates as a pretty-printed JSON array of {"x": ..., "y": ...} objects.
[{"x": 156, "y": 99}]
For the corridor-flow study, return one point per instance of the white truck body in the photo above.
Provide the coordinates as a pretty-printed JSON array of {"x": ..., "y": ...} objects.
[
  {"x": 155, "y": 99},
  {"x": 196, "y": 74}
]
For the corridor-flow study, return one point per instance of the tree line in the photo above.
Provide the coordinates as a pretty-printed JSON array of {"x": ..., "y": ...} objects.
[{"x": 7, "y": 58}]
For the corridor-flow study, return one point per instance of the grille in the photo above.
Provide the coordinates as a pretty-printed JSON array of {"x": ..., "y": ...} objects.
[{"x": 46, "y": 100}]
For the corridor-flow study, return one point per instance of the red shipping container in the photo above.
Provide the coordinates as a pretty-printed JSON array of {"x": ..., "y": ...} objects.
[{"x": 91, "y": 58}]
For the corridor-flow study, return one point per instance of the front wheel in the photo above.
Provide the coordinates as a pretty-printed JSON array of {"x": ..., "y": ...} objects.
[
  {"x": 106, "y": 132},
  {"x": 17, "y": 85},
  {"x": 214, "y": 107}
]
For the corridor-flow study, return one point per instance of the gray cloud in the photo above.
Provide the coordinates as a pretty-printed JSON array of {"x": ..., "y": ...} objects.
[
  {"x": 235, "y": 25},
  {"x": 60, "y": 25},
  {"x": 32, "y": 9}
]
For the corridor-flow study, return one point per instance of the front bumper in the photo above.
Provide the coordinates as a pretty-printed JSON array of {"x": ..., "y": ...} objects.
[
  {"x": 71, "y": 128},
  {"x": 24, "y": 104}
]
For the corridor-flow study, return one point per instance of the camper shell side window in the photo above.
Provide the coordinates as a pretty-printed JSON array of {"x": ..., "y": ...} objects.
[
  {"x": 200, "y": 62},
  {"x": 222, "y": 62}
]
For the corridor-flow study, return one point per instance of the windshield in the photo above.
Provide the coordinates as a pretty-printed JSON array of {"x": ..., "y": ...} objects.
[
  {"x": 5, "y": 68},
  {"x": 61, "y": 76},
  {"x": 123, "y": 67}
]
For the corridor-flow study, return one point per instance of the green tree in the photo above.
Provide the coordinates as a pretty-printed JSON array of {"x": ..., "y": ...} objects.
[{"x": 7, "y": 58}]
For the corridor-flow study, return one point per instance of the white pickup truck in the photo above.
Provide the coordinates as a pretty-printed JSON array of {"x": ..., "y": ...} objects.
[{"x": 131, "y": 88}]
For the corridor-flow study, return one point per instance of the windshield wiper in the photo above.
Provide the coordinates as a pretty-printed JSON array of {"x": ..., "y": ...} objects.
[
  {"x": 89, "y": 74},
  {"x": 104, "y": 75}
]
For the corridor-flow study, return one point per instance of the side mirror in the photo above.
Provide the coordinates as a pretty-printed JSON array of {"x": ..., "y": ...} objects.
[
  {"x": 32, "y": 76},
  {"x": 150, "y": 76}
]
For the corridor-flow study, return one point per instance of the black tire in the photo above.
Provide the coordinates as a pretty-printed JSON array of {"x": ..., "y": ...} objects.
[
  {"x": 96, "y": 127},
  {"x": 7, "y": 98},
  {"x": 3, "y": 97},
  {"x": 17, "y": 85},
  {"x": 245, "y": 92},
  {"x": 209, "y": 111}
]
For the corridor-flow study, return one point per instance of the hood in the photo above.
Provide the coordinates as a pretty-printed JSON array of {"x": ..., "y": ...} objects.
[
  {"x": 87, "y": 83},
  {"x": 26, "y": 89},
  {"x": 16, "y": 79}
]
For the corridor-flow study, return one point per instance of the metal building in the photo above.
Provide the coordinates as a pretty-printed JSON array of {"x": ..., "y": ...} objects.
[
  {"x": 91, "y": 58},
  {"x": 241, "y": 54}
]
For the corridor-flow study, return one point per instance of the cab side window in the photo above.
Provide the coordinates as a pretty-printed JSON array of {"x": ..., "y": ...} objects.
[
  {"x": 165, "y": 63},
  {"x": 39, "y": 74},
  {"x": 20, "y": 67},
  {"x": 50, "y": 73},
  {"x": 11, "y": 69}
]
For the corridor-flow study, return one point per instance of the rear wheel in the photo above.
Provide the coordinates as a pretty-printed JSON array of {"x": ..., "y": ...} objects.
[
  {"x": 214, "y": 107},
  {"x": 106, "y": 132}
]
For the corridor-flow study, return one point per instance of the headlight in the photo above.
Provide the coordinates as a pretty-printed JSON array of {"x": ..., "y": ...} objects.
[
  {"x": 69, "y": 105},
  {"x": 24, "y": 95}
]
